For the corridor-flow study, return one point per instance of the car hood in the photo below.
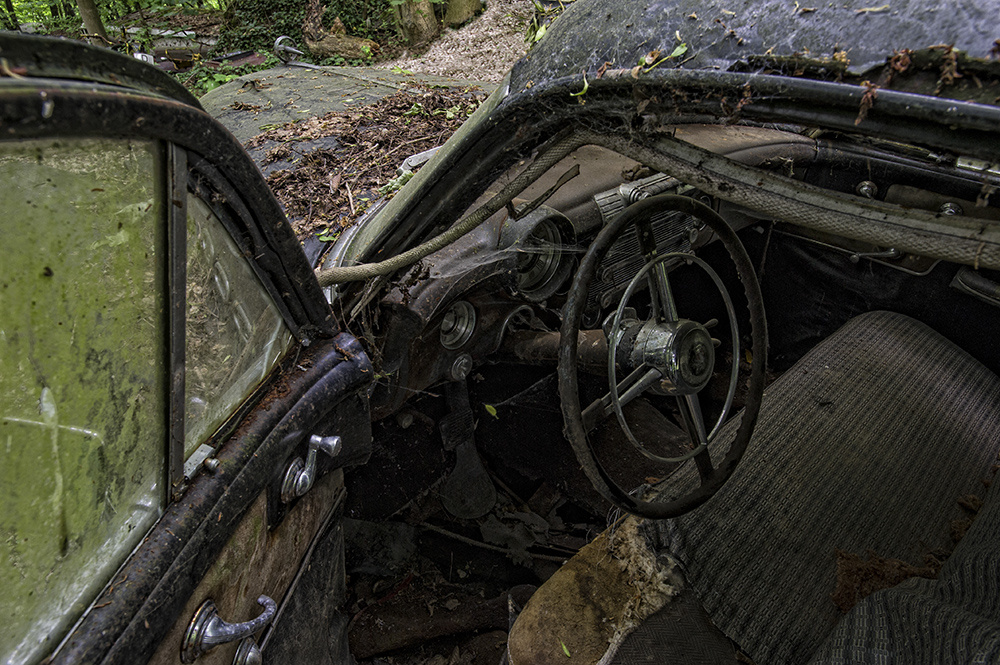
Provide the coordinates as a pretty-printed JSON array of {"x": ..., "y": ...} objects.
[{"x": 722, "y": 34}]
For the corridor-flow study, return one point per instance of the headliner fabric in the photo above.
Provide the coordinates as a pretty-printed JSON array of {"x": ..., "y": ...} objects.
[{"x": 865, "y": 444}]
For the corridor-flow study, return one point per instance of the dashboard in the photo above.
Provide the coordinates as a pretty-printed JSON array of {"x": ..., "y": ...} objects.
[{"x": 496, "y": 293}]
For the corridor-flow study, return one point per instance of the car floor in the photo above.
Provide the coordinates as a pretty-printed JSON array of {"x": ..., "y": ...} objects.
[{"x": 428, "y": 587}]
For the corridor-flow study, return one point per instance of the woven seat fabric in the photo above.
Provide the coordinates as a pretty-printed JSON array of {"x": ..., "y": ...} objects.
[
  {"x": 865, "y": 444},
  {"x": 951, "y": 620}
]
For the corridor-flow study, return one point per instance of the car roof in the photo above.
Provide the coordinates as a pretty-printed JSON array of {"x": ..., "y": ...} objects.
[{"x": 723, "y": 34}]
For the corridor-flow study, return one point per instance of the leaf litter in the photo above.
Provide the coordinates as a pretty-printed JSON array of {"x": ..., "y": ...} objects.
[{"x": 325, "y": 189}]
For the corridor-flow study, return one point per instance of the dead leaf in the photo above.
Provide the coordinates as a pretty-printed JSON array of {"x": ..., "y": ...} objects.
[{"x": 867, "y": 101}]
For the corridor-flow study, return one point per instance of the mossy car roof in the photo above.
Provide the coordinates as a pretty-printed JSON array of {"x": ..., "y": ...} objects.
[{"x": 723, "y": 34}]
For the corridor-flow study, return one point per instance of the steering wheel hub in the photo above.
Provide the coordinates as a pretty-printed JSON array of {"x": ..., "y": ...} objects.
[{"x": 682, "y": 351}]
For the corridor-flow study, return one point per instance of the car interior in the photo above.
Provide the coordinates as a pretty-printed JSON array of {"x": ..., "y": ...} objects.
[{"x": 625, "y": 308}]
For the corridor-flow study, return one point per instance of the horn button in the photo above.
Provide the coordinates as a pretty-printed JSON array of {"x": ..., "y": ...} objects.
[{"x": 682, "y": 351}]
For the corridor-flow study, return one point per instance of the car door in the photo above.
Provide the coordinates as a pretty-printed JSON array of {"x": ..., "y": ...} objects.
[{"x": 176, "y": 403}]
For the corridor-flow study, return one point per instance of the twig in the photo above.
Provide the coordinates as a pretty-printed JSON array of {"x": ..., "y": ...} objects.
[
  {"x": 7, "y": 71},
  {"x": 486, "y": 546},
  {"x": 422, "y": 138},
  {"x": 873, "y": 10},
  {"x": 523, "y": 505},
  {"x": 350, "y": 199}
]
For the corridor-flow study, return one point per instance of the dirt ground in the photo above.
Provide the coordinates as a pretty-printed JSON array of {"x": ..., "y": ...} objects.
[
  {"x": 315, "y": 163},
  {"x": 332, "y": 167},
  {"x": 482, "y": 50}
]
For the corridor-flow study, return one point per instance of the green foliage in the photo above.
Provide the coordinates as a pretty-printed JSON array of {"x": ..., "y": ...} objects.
[
  {"x": 62, "y": 16},
  {"x": 255, "y": 24},
  {"x": 202, "y": 78},
  {"x": 55, "y": 17},
  {"x": 546, "y": 11},
  {"x": 341, "y": 61},
  {"x": 370, "y": 19},
  {"x": 396, "y": 183}
]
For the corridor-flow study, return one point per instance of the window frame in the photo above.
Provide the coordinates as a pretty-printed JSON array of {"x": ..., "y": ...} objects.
[{"x": 124, "y": 617}]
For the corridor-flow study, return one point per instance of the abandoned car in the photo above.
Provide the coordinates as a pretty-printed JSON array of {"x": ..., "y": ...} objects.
[{"x": 691, "y": 327}]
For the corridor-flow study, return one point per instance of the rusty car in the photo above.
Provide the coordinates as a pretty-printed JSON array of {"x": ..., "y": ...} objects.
[{"x": 691, "y": 327}]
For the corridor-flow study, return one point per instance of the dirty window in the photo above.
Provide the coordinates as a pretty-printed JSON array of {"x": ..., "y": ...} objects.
[
  {"x": 82, "y": 376},
  {"x": 235, "y": 334}
]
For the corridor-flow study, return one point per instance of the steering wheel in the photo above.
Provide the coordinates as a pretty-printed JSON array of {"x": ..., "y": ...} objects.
[{"x": 665, "y": 354}]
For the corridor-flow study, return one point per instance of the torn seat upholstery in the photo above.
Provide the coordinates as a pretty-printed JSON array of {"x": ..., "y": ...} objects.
[{"x": 865, "y": 445}]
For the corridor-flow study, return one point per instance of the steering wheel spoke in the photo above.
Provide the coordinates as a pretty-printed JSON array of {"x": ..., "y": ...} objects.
[
  {"x": 694, "y": 423},
  {"x": 664, "y": 305},
  {"x": 631, "y": 387}
]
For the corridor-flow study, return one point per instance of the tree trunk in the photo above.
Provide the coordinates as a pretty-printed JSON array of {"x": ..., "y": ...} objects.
[
  {"x": 461, "y": 11},
  {"x": 416, "y": 21},
  {"x": 10, "y": 21},
  {"x": 92, "y": 20}
]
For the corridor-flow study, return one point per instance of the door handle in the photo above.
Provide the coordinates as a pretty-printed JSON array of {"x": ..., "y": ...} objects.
[{"x": 207, "y": 631}]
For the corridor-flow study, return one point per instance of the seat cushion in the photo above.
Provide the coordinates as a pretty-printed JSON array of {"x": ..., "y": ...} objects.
[
  {"x": 866, "y": 444},
  {"x": 948, "y": 621}
]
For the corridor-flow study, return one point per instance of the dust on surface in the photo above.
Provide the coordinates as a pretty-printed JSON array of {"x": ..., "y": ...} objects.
[
  {"x": 858, "y": 578},
  {"x": 482, "y": 50},
  {"x": 326, "y": 188}
]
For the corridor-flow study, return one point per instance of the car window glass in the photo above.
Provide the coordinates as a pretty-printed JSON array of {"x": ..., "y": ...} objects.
[
  {"x": 83, "y": 379},
  {"x": 235, "y": 334}
]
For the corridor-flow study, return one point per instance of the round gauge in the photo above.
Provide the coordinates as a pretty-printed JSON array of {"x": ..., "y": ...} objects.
[
  {"x": 542, "y": 262},
  {"x": 458, "y": 324}
]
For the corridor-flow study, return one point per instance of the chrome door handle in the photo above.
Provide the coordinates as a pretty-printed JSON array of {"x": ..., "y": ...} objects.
[{"x": 207, "y": 630}]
